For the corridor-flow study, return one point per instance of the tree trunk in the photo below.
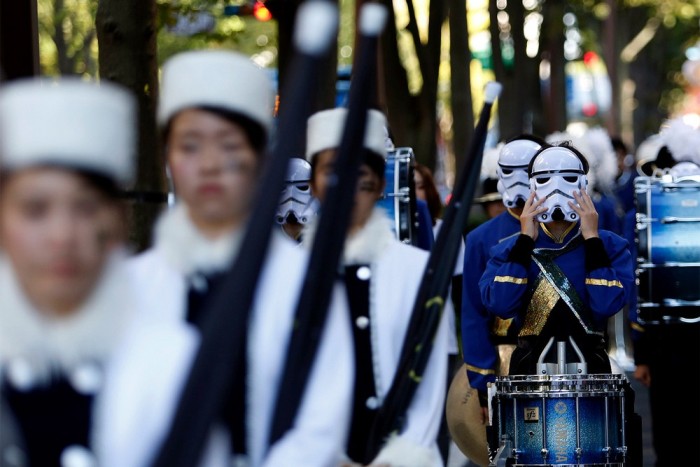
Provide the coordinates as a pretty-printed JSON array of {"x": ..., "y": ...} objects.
[
  {"x": 553, "y": 42},
  {"x": 514, "y": 104},
  {"x": 126, "y": 36},
  {"x": 285, "y": 12},
  {"x": 649, "y": 74},
  {"x": 19, "y": 40},
  {"x": 611, "y": 52},
  {"x": 429, "y": 60},
  {"x": 460, "y": 83},
  {"x": 393, "y": 93}
]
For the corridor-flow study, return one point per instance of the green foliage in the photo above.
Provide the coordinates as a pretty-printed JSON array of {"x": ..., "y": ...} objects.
[
  {"x": 242, "y": 33},
  {"x": 68, "y": 44},
  {"x": 67, "y": 40}
]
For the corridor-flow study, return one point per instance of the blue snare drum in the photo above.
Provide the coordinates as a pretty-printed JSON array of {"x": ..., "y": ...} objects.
[
  {"x": 561, "y": 419},
  {"x": 399, "y": 199},
  {"x": 668, "y": 249}
]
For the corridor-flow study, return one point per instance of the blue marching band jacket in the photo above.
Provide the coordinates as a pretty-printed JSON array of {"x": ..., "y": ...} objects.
[
  {"x": 592, "y": 277},
  {"x": 480, "y": 331}
]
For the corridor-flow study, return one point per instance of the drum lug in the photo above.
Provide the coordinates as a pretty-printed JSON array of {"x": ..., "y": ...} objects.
[
  {"x": 545, "y": 453},
  {"x": 622, "y": 451},
  {"x": 579, "y": 452}
]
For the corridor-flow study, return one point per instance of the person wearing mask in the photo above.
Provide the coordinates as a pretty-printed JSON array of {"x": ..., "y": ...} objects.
[
  {"x": 486, "y": 345},
  {"x": 296, "y": 207},
  {"x": 381, "y": 276},
  {"x": 561, "y": 278},
  {"x": 215, "y": 114}
]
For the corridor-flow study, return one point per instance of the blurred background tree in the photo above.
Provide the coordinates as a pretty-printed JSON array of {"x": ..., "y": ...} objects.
[{"x": 615, "y": 63}]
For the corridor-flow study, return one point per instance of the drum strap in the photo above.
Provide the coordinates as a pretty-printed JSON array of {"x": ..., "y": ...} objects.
[{"x": 550, "y": 286}]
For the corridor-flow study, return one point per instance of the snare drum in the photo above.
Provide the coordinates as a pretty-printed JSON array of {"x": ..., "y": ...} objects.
[
  {"x": 668, "y": 249},
  {"x": 399, "y": 198},
  {"x": 561, "y": 419}
]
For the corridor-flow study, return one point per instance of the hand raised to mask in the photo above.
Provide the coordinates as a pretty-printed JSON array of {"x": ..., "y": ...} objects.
[
  {"x": 586, "y": 211},
  {"x": 528, "y": 218}
]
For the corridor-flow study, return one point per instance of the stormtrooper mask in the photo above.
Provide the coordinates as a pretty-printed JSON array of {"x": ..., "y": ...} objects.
[
  {"x": 513, "y": 161},
  {"x": 296, "y": 195},
  {"x": 555, "y": 174}
]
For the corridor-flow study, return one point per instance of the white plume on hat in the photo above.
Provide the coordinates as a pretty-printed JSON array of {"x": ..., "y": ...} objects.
[
  {"x": 324, "y": 130},
  {"x": 71, "y": 123},
  {"x": 218, "y": 78},
  {"x": 489, "y": 162},
  {"x": 682, "y": 138},
  {"x": 603, "y": 160},
  {"x": 647, "y": 151}
]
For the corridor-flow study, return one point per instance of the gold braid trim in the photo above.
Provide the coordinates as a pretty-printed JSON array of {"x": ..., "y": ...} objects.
[
  {"x": 603, "y": 282},
  {"x": 543, "y": 300},
  {"x": 514, "y": 280}
]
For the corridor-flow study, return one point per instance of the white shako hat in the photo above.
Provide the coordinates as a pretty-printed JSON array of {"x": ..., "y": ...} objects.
[
  {"x": 324, "y": 130},
  {"x": 69, "y": 123},
  {"x": 216, "y": 78}
]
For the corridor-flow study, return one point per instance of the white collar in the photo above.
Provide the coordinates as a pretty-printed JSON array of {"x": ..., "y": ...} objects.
[
  {"x": 48, "y": 345},
  {"x": 366, "y": 245},
  {"x": 187, "y": 250}
]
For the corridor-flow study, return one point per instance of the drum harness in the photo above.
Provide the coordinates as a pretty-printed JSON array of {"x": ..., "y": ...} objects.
[{"x": 551, "y": 287}]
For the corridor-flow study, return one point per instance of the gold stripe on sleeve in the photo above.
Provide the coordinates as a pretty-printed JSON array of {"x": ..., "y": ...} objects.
[
  {"x": 514, "y": 280},
  {"x": 603, "y": 282}
]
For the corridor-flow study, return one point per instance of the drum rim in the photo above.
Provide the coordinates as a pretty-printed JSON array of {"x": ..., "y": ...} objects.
[{"x": 562, "y": 377}]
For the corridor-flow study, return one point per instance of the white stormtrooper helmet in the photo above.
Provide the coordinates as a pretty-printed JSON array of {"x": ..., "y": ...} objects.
[
  {"x": 296, "y": 195},
  {"x": 555, "y": 173},
  {"x": 513, "y": 161}
]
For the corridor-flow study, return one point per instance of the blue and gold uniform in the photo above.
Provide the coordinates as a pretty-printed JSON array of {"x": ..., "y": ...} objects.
[
  {"x": 480, "y": 332},
  {"x": 564, "y": 286}
]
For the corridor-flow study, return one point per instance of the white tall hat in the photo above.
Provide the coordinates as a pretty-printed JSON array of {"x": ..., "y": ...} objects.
[
  {"x": 324, "y": 130},
  {"x": 71, "y": 123},
  {"x": 218, "y": 78}
]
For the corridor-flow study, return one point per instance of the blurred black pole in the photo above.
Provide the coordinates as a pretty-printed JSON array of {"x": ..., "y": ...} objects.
[
  {"x": 19, "y": 39},
  {"x": 225, "y": 324},
  {"x": 334, "y": 222},
  {"x": 433, "y": 290}
]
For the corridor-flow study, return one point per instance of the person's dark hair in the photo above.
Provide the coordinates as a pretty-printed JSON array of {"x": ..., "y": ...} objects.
[
  {"x": 376, "y": 162},
  {"x": 106, "y": 185},
  {"x": 563, "y": 144},
  {"x": 257, "y": 136},
  {"x": 432, "y": 197},
  {"x": 618, "y": 144}
]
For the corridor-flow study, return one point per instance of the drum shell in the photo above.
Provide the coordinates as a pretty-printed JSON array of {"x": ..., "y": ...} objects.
[
  {"x": 668, "y": 249},
  {"x": 562, "y": 419},
  {"x": 399, "y": 200}
]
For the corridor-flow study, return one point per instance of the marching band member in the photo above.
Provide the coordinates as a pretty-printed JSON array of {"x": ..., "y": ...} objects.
[
  {"x": 296, "y": 207},
  {"x": 667, "y": 351},
  {"x": 87, "y": 377},
  {"x": 215, "y": 112},
  {"x": 561, "y": 276},
  {"x": 486, "y": 344},
  {"x": 601, "y": 173},
  {"x": 382, "y": 276},
  {"x": 484, "y": 337}
]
